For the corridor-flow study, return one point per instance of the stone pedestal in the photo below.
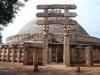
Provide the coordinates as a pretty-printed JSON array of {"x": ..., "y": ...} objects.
[{"x": 88, "y": 56}]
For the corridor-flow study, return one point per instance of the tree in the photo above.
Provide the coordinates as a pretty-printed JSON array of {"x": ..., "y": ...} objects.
[{"x": 8, "y": 9}]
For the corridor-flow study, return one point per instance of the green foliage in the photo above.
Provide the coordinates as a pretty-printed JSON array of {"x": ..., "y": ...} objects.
[{"x": 8, "y": 9}]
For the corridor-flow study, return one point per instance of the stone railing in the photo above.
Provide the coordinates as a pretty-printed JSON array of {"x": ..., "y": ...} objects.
[
  {"x": 38, "y": 36},
  {"x": 86, "y": 39},
  {"x": 11, "y": 53},
  {"x": 77, "y": 38},
  {"x": 15, "y": 38},
  {"x": 60, "y": 38}
]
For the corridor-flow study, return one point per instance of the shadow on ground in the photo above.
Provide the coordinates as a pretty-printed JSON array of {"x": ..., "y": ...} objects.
[{"x": 8, "y": 71}]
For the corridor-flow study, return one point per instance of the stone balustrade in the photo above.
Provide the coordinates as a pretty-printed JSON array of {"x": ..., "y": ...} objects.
[
  {"x": 59, "y": 38},
  {"x": 11, "y": 53},
  {"x": 87, "y": 39},
  {"x": 38, "y": 36}
]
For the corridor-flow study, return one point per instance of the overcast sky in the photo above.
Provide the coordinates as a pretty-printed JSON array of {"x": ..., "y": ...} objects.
[{"x": 88, "y": 15}]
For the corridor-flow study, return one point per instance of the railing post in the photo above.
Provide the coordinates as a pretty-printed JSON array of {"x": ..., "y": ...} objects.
[{"x": 88, "y": 56}]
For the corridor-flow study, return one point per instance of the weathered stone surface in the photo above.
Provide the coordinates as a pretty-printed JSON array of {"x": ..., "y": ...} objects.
[
  {"x": 89, "y": 60},
  {"x": 57, "y": 22},
  {"x": 56, "y": 6},
  {"x": 66, "y": 49},
  {"x": 45, "y": 45},
  {"x": 69, "y": 14}
]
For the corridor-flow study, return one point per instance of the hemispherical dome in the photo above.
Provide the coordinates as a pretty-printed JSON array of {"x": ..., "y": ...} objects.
[{"x": 33, "y": 28}]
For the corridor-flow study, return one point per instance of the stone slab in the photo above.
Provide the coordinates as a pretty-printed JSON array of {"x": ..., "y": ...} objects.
[
  {"x": 57, "y": 6},
  {"x": 68, "y": 14},
  {"x": 58, "y": 22}
]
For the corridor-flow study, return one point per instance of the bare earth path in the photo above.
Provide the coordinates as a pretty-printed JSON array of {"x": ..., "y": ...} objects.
[
  {"x": 62, "y": 70},
  {"x": 6, "y": 71},
  {"x": 19, "y": 69}
]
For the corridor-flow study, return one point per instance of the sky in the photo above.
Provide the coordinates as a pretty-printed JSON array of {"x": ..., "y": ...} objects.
[{"x": 88, "y": 12}]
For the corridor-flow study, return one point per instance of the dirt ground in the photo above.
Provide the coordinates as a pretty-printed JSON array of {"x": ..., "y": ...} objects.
[
  {"x": 52, "y": 69},
  {"x": 63, "y": 70}
]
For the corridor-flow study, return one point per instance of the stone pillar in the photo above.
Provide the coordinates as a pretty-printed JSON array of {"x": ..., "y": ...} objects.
[
  {"x": 22, "y": 53},
  {"x": 13, "y": 56},
  {"x": 88, "y": 55},
  {"x": 45, "y": 40},
  {"x": 3, "y": 54},
  {"x": 34, "y": 56},
  {"x": 50, "y": 54},
  {"x": 66, "y": 51},
  {"x": 35, "y": 59},
  {"x": 0, "y": 52},
  {"x": 79, "y": 53},
  {"x": 19, "y": 55},
  {"x": 8, "y": 54},
  {"x": 78, "y": 50},
  {"x": 57, "y": 50},
  {"x": 25, "y": 59},
  {"x": 97, "y": 55}
]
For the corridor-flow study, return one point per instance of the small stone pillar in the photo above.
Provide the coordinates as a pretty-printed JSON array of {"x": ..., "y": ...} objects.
[
  {"x": 50, "y": 54},
  {"x": 25, "y": 58},
  {"x": 78, "y": 49},
  {"x": 19, "y": 55},
  {"x": 56, "y": 54},
  {"x": 3, "y": 54},
  {"x": 8, "y": 55},
  {"x": 13, "y": 56},
  {"x": 0, "y": 53},
  {"x": 89, "y": 56},
  {"x": 35, "y": 59}
]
